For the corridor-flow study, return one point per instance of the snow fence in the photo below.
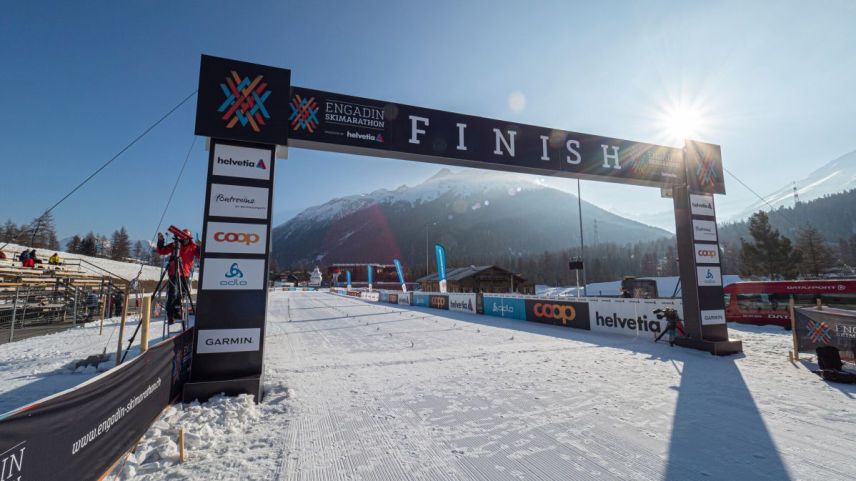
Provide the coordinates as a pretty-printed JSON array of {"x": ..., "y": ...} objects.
[
  {"x": 83, "y": 432},
  {"x": 610, "y": 315}
]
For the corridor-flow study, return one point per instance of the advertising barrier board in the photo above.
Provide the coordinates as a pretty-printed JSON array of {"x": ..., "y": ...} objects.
[
  {"x": 632, "y": 317},
  {"x": 462, "y": 302},
  {"x": 514, "y": 308},
  {"x": 563, "y": 313}
]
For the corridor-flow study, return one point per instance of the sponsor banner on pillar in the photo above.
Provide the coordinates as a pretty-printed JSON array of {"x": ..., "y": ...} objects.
[
  {"x": 715, "y": 316},
  {"x": 511, "y": 307},
  {"x": 704, "y": 167},
  {"x": 233, "y": 238},
  {"x": 708, "y": 276},
  {"x": 404, "y": 298},
  {"x": 237, "y": 161},
  {"x": 701, "y": 204},
  {"x": 242, "y": 101},
  {"x": 632, "y": 317},
  {"x": 238, "y": 201},
  {"x": 706, "y": 253},
  {"x": 462, "y": 302},
  {"x": 704, "y": 230},
  {"x": 330, "y": 121},
  {"x": 563, "y": 313},
  {"x": 227, "y": 340},
  {"x": 233, "y": 274}
]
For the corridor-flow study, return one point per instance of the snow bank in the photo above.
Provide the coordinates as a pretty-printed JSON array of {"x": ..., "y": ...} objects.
[{"x": 126, "y": 270}]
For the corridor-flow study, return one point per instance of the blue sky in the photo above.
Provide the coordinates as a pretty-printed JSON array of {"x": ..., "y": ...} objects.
[{"x": 775, "y": 83}]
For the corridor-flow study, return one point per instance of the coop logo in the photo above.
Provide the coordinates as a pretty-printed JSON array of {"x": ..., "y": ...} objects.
[
  {"x": 438, "y": 302},
  {"x": 706, "y": 253},
  {"x": 12, "y": 462},
  {"x": 242, "y": 237},
  {"x": 640, "y": 323},
  {"x": 371, "y": 137},
  {"x": 558, "y": 312},
  {"x": 245, "y": 101},
  {"x": 228, "y": 340}
]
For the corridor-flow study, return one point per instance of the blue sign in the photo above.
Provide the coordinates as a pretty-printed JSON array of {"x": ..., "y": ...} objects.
[
  {"x": 505, "y": 307},
  {"x": 441, "y": 261},
  {"x": 369, "y": 267},
  {"x": 399, "y": 270},
  {"x": 421, "y": 299},
  {"x": 348, "y": 276}
]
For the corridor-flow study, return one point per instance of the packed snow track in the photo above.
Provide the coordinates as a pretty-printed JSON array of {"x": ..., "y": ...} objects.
[{"x": 374, "y": 392}]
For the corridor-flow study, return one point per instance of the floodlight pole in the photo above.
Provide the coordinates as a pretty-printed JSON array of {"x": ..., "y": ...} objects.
[{"x": 582, "y": 244}]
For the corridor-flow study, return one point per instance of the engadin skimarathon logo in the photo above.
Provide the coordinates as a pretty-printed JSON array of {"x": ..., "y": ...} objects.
[
  {"x": 234, "y": 276},
  {"x": 818, "y": 332},
  {"x": 615, "y": 321},
  {"x": 705, "y": 172},
  {"x": 259, "y": 164},
  {"x": 345, "y": 113},
  {"x": 304, "y": 113},
  {"x": 245, "y": 101},
  {"x": 12, "y": 462}
]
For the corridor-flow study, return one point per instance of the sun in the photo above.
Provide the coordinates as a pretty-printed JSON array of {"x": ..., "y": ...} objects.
[{"x": 682, "y": 120}]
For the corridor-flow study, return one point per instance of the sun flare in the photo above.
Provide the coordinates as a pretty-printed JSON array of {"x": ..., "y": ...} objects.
[{"x": 682, "y": 120}]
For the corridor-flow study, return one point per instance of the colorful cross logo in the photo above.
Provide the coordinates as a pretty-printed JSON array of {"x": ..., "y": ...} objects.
[
  {"x": 304, "y": 113},
  {"x": 706, "y": 172},
  {"x": 245, "y": 101},
  {"x": 819, "y": 330}
]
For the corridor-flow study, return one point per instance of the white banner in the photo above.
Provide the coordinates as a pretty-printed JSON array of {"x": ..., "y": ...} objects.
[
  {"x": 236, "y": 238},
  {"x": 462, "y": 302},
  {"x": 701, "y": 204},
  {"x": 227, "y": 340},
  {"x": 238, "y": 201},
  {"x": 704, "y": 230},
  {"x": 631, "y": 317},
  {"x": 235, "y": 161},
  {"x": 706, "y": 253},
  {"x": 233, "y": 274},
  {"x": 708, "y": 276},
  {"x": 716, "y": 316}
]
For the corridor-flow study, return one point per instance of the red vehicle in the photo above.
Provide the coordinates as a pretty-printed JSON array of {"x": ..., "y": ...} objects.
[{"x": 766, "y": 302}]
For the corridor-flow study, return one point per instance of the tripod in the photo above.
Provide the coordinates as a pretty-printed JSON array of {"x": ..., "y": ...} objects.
[
  {"x": 673, "y": 325},
  {"x": 180, "y": 288}
]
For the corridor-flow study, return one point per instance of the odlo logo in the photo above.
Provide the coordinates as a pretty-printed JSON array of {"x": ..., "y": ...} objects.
[
  {"x": 242, "y": 237},
  {"x": 559, "y": 312},
  {"x": 502, "y": 308},
  {"x": 235, "y": 275},
  {"x": 12, "y": 463}
]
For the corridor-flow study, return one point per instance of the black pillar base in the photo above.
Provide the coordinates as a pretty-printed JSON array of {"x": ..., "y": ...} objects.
[
  {"x": 202, "y": 391},
  {"x": 717, "y": 348}
]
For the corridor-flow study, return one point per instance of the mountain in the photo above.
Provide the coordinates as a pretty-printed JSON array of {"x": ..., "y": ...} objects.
[
  {"x": 834, "y": 177},
  {"x": 470, "y": 213}
]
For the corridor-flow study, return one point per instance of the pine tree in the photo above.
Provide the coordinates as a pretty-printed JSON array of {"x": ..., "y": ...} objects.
[
  {"x": 9, "y": 232},
  {"x": 43, "y": 232},
  {"x": 120, "y": 245},
  {"x": 89, "y": 245},
  {"x": 74, "y": 245},
  {"x": 816, "y": 256},
  {"x": 770, "y": 254}
]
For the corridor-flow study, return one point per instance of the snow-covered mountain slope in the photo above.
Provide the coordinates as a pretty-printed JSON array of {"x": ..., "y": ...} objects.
[
  {"x": 834, "y": 177},
  {"x": 471, "y": 213}
]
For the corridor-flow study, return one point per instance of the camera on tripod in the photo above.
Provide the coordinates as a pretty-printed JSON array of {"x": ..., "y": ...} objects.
[
  {"x": 666, "y": 313},
  {"x": 179, "y": 234}
]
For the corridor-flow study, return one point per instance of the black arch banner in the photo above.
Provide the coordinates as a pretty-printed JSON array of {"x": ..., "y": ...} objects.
[{"x": 342, "y": 123}]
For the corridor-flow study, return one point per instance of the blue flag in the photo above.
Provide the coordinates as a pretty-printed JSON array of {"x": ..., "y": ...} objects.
[
  {"x": 369, "y": 267},
  {"x": 441, "y": 266},
  {"x": 348, "y": 277},
  {"x": 400, "y": 272}
]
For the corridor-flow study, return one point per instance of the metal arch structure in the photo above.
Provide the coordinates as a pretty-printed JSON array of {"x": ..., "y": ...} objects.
[{"x": 251, "y": 113}]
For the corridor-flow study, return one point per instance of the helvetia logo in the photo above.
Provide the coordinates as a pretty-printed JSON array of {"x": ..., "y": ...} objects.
[
  {"x": 12, "y": 463},
  {"x": 462, "y": 305},
  {"x": 641, "y": 323},
  {"x": 357, "y": 135},
  {"x": 242, "y": 163},
  {"x": 234, "y": 274}
]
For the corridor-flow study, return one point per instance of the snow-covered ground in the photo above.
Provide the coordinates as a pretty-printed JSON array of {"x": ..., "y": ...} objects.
[
  {"x": 126, "y": 270},
  {"x": 361, "y": 391},
  {"x": 45, "y": 365}
]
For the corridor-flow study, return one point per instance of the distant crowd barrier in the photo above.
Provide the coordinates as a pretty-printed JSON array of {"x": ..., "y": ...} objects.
[
  {"x": 83, "y": 432},
  {"x": 629, "y": 317}
]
